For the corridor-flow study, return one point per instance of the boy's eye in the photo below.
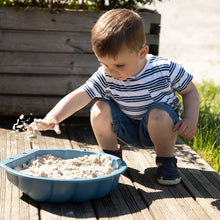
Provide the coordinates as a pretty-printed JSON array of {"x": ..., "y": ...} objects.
[{"x": 120, "y": 66}]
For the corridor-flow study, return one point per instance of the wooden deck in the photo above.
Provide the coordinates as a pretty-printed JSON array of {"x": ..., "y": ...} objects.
[{"x": 138, "y": 196}]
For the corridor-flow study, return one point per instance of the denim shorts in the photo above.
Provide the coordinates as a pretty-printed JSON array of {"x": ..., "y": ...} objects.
[{"x": 132, "y": 131}]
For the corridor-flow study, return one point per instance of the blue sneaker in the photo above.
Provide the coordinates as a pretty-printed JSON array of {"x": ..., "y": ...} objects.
[{"x": 167, "y": 173}]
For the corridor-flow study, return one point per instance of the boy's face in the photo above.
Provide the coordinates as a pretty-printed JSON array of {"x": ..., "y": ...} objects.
[{"x": 126, "y": 64}]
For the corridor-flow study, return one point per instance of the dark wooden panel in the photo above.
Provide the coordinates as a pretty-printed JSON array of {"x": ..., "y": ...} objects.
[
  {"x": 40, "y": 84},
  {"x": 45, "y": 41},
  {"x": 51, "y": 42},
  {"x": 45, "y": 52},
  {"x": 37, "y": 105},
  {"x": 150, "y": 18},
  {"x": 46, "y": 19},
  {"x": 53, "y": 63}
]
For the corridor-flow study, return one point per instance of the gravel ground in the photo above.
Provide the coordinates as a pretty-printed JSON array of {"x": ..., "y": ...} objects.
[{"x": 190, "y": 35}]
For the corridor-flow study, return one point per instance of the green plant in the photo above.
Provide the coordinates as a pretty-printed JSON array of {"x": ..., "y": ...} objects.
[
  {"x": 77, "y": 4},
  {"x": 207, "y": 140}
]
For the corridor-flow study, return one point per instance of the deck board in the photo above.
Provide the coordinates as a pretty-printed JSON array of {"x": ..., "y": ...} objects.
[{"x": 138, "y": 195}]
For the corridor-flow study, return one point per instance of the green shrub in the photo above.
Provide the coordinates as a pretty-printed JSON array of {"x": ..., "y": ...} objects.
[{"x": 77, "y": 4}]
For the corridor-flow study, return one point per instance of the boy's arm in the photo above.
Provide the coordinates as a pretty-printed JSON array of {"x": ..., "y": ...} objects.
[
  {"x": 71, "y": 103},
  {"x": 187, "y": 126}
]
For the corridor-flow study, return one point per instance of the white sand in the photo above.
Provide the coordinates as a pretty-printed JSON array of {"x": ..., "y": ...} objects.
[{"x": 89, "y": 166}]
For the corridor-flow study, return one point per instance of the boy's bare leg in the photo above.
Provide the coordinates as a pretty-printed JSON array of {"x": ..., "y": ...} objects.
[
  {"x": 101, "y": 121},
  {"x": 160, "y": 128}
]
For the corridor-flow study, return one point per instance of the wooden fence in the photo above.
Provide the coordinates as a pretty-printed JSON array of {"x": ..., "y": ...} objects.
[{"x": 45, "y": 54}]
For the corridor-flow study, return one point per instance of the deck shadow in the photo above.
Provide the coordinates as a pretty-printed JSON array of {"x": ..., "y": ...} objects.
[{"x": 125, "y": 199}]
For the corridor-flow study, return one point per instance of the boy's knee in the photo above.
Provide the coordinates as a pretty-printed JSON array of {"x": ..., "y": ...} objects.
[
  {"x": 159, "y": 116},
  {"x": 100, "y": 108}
]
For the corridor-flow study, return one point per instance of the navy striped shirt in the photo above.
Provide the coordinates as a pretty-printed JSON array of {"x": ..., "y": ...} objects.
[{"x": 158, "y": 82}]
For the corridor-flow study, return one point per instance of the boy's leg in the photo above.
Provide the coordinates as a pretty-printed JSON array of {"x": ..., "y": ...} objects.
[
  {"x": 102, "y": 125},
  {"x": 160, "y": 120},
  {"x": 160, "y": 129},
  {"x": 110, "y": 124}
]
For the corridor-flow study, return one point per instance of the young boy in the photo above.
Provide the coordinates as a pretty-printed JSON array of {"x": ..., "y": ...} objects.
[{"x": 138, "y": 102}]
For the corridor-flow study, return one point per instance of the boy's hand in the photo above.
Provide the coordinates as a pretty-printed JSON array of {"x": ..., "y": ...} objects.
[
  {"x": 48, "y": 123},
  {"x": 185, "y": 128}
]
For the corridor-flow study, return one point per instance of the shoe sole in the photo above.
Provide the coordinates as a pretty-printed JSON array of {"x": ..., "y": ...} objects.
[{"x": 169, "y": 182}]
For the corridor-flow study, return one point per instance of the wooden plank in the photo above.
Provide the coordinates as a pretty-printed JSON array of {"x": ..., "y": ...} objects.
[
  {"x": 81, "y": 136},
  {"x": 174, "y": 199},
  {"x": 14, "y": 204},
  {"x": 39, "y": 106},
  {"x": 188, "y": 156},
  {"x": 27, "y": 206},
  {"x": 12, "y": 193},
  {"x": 62, "y": 20},
  {"x": 43, "y": 63},
  {"x": 201, "y": 180},
  {"x": 209, "y": 205},
  {"x": 4, "y": 195},
  {"x": 205, "y": 203},
  {"x": 112, "y": 206},
  {"x": 179, "y": 193},
  {"x": 152, "y": 15},
  {"x": 148, "y": 189},
  {"x": 188, "y": 204},
  {"x": 133, "y": 199},
  {"x": 45, "y": 41},
  {"x": 46, "y": 19},
  {"x": 47, "y": 85},
  {"x": 152, "y": 39},
  {"x": 51, "y": 42}
]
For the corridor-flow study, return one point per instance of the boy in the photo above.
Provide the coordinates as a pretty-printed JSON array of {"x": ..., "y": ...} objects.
[{"x": 137, "y": 90}]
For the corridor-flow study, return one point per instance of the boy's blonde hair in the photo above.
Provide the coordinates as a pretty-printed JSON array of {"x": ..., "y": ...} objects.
[{"x": 116, "y": 28}]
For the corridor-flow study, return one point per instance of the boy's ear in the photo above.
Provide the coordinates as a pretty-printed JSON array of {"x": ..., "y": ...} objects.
[{"x": 143, "y": 52}]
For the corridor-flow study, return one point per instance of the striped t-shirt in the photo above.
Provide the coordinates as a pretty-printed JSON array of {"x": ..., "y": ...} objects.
[{"x": 156, "y": 83}]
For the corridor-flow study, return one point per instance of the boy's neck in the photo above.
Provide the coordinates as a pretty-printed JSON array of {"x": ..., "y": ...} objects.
[{"x": 142, "y": 65}]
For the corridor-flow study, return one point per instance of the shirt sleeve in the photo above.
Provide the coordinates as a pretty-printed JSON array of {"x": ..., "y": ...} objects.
[
  {"x": 95, "y": 86},
  {"x": 179, "y": 77}
]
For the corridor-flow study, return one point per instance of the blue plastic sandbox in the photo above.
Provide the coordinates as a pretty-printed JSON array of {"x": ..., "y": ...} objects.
[{"x": 44, "y": 189}]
